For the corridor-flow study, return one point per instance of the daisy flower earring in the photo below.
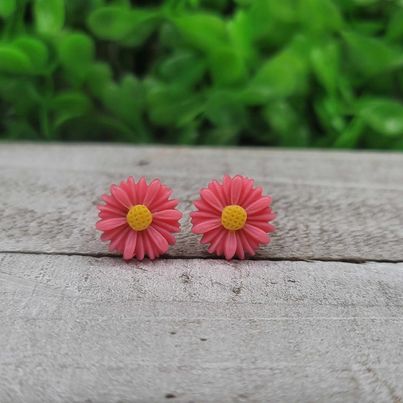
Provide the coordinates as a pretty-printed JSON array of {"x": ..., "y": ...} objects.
[
  {"x": 233, "y": 217},
  {"x": 138, "y": 219}
]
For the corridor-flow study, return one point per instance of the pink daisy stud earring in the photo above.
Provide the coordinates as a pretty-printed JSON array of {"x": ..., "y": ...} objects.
[
  {"x": 138, "y": 219},
  {"x": 233, "y": 216}
]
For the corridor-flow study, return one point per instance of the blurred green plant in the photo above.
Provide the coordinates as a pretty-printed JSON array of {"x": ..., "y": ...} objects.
[{"x": 296, "y": 73}]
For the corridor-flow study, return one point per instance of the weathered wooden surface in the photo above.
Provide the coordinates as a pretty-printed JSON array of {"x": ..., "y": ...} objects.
[
  {"x": 330, "y": 205},
  {"x": 79, "y": 326}
]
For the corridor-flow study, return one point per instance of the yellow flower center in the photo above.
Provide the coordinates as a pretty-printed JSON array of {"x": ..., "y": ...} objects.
[
  {"x": 233, "y": 217},
  {"x": 139, "y": 217}
]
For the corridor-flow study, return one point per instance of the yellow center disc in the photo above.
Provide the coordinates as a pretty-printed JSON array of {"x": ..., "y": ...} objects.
[
  {"x": 233, "y": 217},
  {"x": 139, "y": 217}
]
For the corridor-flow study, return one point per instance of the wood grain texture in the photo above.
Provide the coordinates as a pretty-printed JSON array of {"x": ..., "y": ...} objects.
[
  {"x": 80, "y": 329},
  {"x": 330, "y": 205}
]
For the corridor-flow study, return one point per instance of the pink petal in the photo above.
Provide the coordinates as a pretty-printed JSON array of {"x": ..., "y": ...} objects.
[
  {"x": 130, "y": 245},
  {"x": 203, "y": 206},
  {"x": 141, "y": 190},
  {"x": 152, "y": 192},
  {"x": 236, "y": 188},
  {"x": 111, "y": 234},
  {"x": 121, "y": 196},
  {"x": 206, "y": 225},
  {"x": 158, "y": 240},
  {"x": 246, "y": 189},
  {"x": 111, "y": 223},
  {"x": 261, "y": 216},
  {"x": 254, "y": 195},
  {"x": 111, "y": 201},
  {"x": 173, "y": 215},
  {"x": 217, "y": 189},
  {"x": 132, "y": 190},
  {"x": 148, "y": 247},
  {"x": 264, "y": 226},
  {"x": 163, "y": 205},
  {"x": 239, "y": 247},
  {"x": 218, "y": 242},
  {"x": 166, "y": 234},
  {"x": 119, "y": 238},
  {"x": 112, "y": 210},
  {"x": 230, "y": 245},
  {"x": 227, "y": 188},
  {"x": 248, "y": 246},
  {"x": 140, "y": 246},
  {"x": 210, "y": 236},
  {"x": 258, "y": 205},
  {"x": 168, "y": 226},
  {"x": 208, "y": 196},
  {"x": 203, "y": 215},
  {"x": 256, "y": 233}
]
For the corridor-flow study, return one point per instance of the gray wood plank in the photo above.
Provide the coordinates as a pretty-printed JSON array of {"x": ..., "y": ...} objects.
[
  {"x": 77, "y": 329},
  {"x": 330, "y": 205}
]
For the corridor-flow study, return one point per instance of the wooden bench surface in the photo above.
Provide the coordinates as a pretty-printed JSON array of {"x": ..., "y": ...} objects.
[{"x": 317, "y": 316}]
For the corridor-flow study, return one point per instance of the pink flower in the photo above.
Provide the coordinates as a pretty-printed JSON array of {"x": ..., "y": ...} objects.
[
  {"x": 139, "y": 219},
  {"x": 233, "y": 217}
]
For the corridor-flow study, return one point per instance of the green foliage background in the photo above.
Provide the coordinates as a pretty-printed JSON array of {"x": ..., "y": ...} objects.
[{"x": 325, "y": 73}]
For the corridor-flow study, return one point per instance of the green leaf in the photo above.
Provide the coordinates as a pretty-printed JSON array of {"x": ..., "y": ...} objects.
[
  {"x": 281, "y": 76},
  {"x": 385, "y": 116},
  {"x": 125, "y": 100},
  {"x": 76, "y": 52},
  {"x": 184, "y": 67},
  {"x": 7, "y": 8},
  {"x": 203, "y": 31},
  {"x": 395, "y": 26},
  {"x": 172, "y": 105},
  {"x": 36, "y": 51},
  {"x": 325, "y": 63},
  {"x": 69, "y": 105},
  {"x": 113, "y": 23},
  {"x": 320, "y": 15},
  {"x": 49, "y": 15},
  {"x": 14, "y": 61},
  {"x": 131, "y": 26},
  {"x": 372, "y": 56},
  {"x": 98, "y": 77},
  {"x": 227, "y": 66}
]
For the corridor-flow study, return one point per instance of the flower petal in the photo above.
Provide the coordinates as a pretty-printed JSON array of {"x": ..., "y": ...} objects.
[
  {"x": 217, "y": 244},
  {"x": 217, "y": 189},
  {"x": 152, "y": 192},
  {"x": 130, "y": 245},
  {"x": 148, "y": 247},
  {"x": 256, "y": 233},
  {"x": 141, "y": 190},
  {"x": 208, "y": 196},
  {"x": 121, "y": 196},
  {"x": 236, "y": 188},
  {"x": 107, "y": 208},
  {"x": 170, "y": 215},
  {"x": 132, "y": 190},
  {"x": 140, "y": 246},
  {"x": 206, "y": 225},
  {"x": 210, "y": 236},
  {"x": 158, "y": 240},
  {"x": 110, "y": 223},
  {"x": 264, "y": 226},
  {"x": 248, "y": 245},
  {"x": 166, "y": 234},
  {"x": 239, "y": 247},
  {"x": 258, "y": 205},
  {"x": 118, "y": 238},
  {"x": 171, "y": 226},
  {"x": 163, "y": 205},
  {"x": 230, "y": 245}
]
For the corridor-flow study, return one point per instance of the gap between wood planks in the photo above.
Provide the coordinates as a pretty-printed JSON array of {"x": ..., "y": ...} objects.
[{"x": 212, "y": 257}]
